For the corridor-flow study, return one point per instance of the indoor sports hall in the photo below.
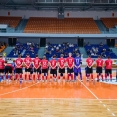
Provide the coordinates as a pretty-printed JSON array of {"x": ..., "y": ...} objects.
[{"x": 76, "y": 35}]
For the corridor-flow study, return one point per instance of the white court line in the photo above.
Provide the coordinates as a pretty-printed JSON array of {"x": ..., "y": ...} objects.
[
  {"x": 97, "y": 98},
  {"x": 18, "y": 89}
]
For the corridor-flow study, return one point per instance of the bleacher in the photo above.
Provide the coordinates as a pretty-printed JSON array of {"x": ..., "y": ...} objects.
[
  {"x": 107, "y": 52},
  {"x": 50, "y": 50},
  {"x": 23, "y": 49},
  {"x": 109, "y": 22},
  {"x": 9, "y": 20},
  {"x": 66, "y": 25}
]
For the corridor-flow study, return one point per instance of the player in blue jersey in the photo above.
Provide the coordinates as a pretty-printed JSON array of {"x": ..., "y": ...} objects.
[{"x": 77, "y": 66}]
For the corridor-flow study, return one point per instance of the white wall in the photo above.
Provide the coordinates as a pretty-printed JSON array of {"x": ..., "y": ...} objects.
[
  {"x": 29, "y": 13},
  {"x": 95, "y": 14}
]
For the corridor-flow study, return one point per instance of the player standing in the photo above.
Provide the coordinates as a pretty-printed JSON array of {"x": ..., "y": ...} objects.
[
  {"x": 70, "y": 65},
  {"x": 53, "y": 70},
  {"x": 77, "y": 67},
  {"x": 89, "y": 62},
  {"x": 108, "y": 69},
  {"x": 28, "y": 66},
  {"x": 44, "y": 65},
  {"x": 99, "y": 65},
  {"x": 37, "y": 68},
  {"x": 8, "y": 70},
  {"x": 61, "y": 65},
  {"x": 1, "y": 67},
  {"x": 19, "y": 65}
]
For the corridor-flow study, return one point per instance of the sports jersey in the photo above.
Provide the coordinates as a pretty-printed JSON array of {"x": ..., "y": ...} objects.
[
  {"x": 108, "y": 64},
  {"x": 89, "y": 61},
  {"x": 28, "y": 62},
  {"x": 1, "y": 64},
  {"x": 53, "y": 63},
  {"x": 99, "y": 62},
  {"x": 44, "y": 64},
  {"x": 70, "y": 61},
  {"x": 61, "y": 62},
  {"x": 36, "y": 62},
  {"x": 77, "y": 62},
  {"x": 18, "y": 63}
]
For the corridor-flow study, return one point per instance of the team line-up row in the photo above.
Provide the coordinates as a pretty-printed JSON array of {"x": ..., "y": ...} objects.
[{"x": 39, "y": 68}]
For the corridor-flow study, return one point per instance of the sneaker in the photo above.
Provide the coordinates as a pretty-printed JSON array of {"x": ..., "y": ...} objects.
[
  {"x": 81, "y": 80},
  {"x": 98, "y": 80},
  {"x": 111, "y": 80},
  {"x": 87, "y": 79}
]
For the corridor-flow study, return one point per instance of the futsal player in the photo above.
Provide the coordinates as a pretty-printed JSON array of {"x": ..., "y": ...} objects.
[
  {"x": 89, "y": 63},
  {"x": 77, "y": 66},
  {"x": 70, "y": 65},
  {"x": 37, "y": 68},
  {"x": 8, "y": 70},
  {"x": 44, "y": 65},
  {"x": 1, "y": 68},
  {"x": 19, "y": 65},
  {"x": 53, "y": 68},
  {"x": 61, "y": 65},
  {"x": 99, "y": 66},
  {"x": 28, "y": 67},
  {"x": 108, "y": 70}
]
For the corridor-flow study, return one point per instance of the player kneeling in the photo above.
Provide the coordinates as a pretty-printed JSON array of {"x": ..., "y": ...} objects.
[
  {"x": 99, "y": 65},
  {"x": 53, "y": 70},
  {"x": 89, "y": 62},
  {"x": 77, "y": 67},
  {"x": 70, "y": 65},
  {"x": 44, "y": 65},
  {"x": 8, "y": 71},
  {"x": 37, "y": 68},
  {"x": 108, "y": 70},
  {"x": 61, "y": 65}
]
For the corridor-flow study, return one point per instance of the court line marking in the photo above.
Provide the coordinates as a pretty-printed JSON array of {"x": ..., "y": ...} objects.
[
  {"x": 97, "y": 98},
  {"x": 19, "y": 89}
]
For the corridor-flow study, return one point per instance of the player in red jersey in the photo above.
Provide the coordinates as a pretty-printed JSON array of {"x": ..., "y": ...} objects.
[
  {"x": 108, "y": 69},
  {"x": 99, "y": 66},
  {"x": 53, "y": 66},
  {"x": 1, "y": 67},
  {"x": 37, "y": 68},
  {"x": 28, "y": 67},
  {"x": 61, "y": 64},
  {"x": 19, "y": 65},
  {"x": 8, "y": 70},
  {"x": 70, "y": 65},
  {"x": 89, "y": 62},
  {"x": 44, "y": 65}
]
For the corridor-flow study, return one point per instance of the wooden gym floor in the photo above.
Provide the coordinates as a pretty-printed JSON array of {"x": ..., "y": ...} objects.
[{"x": 70, "y": 99}]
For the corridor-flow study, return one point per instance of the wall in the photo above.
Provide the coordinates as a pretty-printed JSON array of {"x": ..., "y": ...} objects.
[
  {"x": 28, "y": 39},
  {"x": 95, "y": 14},
  {"x": 61, "y": 40},
  {"x": 34, "y": 13},
  {"x": 4, "y": 39},
  {"x": 28, "y": 13},
  {"x": 95, "y": 40}
]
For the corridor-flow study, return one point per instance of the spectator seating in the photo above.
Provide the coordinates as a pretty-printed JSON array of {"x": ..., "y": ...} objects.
[
  {"x": 67, "y": 25},
  {"x": 2, "y": 46},
  {"x": 24, "y": 49},
  {"x": 104, "y": 51},
  {"x": 109, "y": 22},
  {"x": 11, "y": 21},
  {"x": 58, "y": 49}
]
